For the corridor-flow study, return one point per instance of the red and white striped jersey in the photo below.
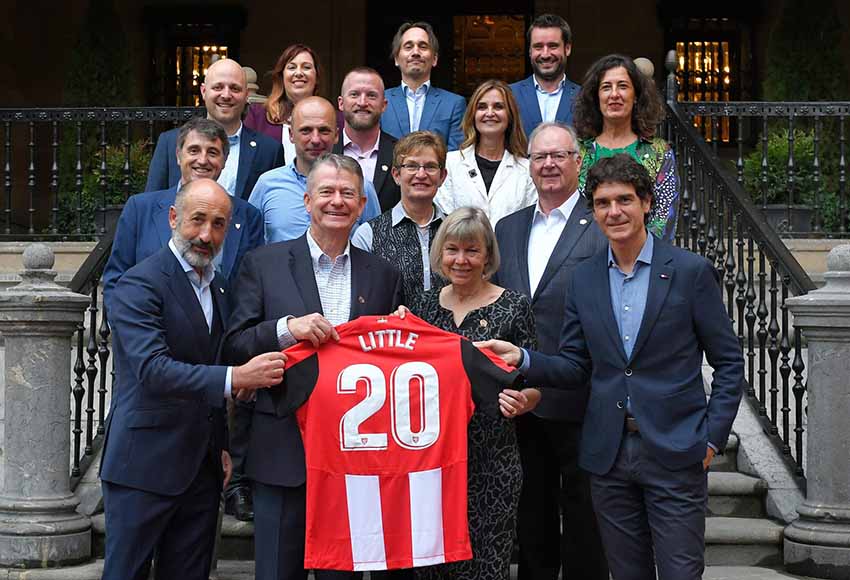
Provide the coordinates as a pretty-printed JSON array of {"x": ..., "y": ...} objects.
[{"x": 383, "y": 414}]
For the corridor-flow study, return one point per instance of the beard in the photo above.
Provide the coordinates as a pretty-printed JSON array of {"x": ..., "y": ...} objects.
[
  {"x": 190, "y": 254},
  {"x": 555, "y": 74},
  {"x": 359, "y": 123}
]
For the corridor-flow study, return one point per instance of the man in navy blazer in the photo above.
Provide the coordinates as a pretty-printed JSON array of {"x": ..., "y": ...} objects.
[
  {"x": 540, "y": 247},
  {"x": 547, "y": 95},
  {"x": 165, "y": 459},
  {"x": 416, "y": 105},
  {"x": 639, "y": 316},
  {"x": 225, "y": 95},
  {"x": 280, "y": 302}
]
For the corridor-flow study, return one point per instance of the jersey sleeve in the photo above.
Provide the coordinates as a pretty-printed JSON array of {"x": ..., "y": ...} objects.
[
  {"x": 299, "y": 380},
  {"x": 488, "y": 376}
]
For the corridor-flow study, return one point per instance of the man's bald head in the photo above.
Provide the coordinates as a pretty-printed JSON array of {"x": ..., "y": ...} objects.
[
  {"x": 314, "y": 131},
  {"x": 225, "y": 93}
]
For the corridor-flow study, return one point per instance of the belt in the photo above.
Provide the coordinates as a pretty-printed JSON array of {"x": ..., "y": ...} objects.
[{"x": 632, "y": 425}]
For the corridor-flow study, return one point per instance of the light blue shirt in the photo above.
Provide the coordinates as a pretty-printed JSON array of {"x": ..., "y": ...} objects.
[
  {"x": 628, "y": 294},
  {"x": 279, "y": 195},
  {"x": 201, "y": 286},
  {"x": 227, "y": 179},
  {"x": 549, "y": 102},
  {"x": 415, "y": 103}
]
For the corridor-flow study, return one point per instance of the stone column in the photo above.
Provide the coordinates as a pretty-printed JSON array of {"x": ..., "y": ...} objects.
[
  {"x": 39, "y": 525},
  {"x": 818, "y": 543}
]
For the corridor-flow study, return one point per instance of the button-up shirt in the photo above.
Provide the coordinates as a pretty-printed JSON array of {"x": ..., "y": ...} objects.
[
  {"x": 333, "y": 279},
  {"x": 415, "y": 103},
  {"x": 279, "y": 195},
  {"x": 628, "y": 293},
  {"x": 201, "y": 287},
  {"x": 366, "y": 159},
  {"x": 549, "y": 102},
  {"x": 544, "y": 236},
  {"x": 227, "y": 179},
  {"x": 363, "y": 237}
]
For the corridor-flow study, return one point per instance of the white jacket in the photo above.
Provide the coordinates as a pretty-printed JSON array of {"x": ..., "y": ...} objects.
[{"x": 511, "y": 190}]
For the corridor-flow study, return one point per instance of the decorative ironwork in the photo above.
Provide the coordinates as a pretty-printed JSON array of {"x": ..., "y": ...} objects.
[{"x": 764, "y": 108}]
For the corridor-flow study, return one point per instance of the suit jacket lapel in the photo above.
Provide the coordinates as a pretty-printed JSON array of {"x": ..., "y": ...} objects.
[
  {"x": 502, "y": 171},
  {"x": 470, "y": 167},
  {"x": 301, "y": 266},
  {"x": 181, "y": 287},
  {"x": 233, "y": 239},
  {"x": 605, "y": 309},
  {"x": 528, "y": 101},
  {"x": 522, "y": 255},
  {"x": 385, "y": 159},
  {"x": 565, "y": 107},
  {"x": 399, "y": 106},
  {"x": 247, "y": 150},
  {"x": 432, "y": 101},
  {"x": 660, "y": 278},
  {"x": 580, "y": 219},
  {"x": 160, "y": 224},
  {"x": 361, "y": 284}
]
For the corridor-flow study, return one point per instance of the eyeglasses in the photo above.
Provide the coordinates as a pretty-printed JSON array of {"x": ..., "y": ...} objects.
[
  {"x": 413, "y": 168},
  {"x": 557, "y": 156}
]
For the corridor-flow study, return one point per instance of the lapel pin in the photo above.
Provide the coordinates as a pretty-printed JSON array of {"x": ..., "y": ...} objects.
[
  {"x": 361, "y": 300},
  {"x": 582, "y": 221},
  {"x": 472, "y": 173},
  {"x": 237, "y": 226},
  {"x": 253, "y": 143},
  {"x": 663, "y": 276},
  {"x": 221, "y": 290},
  {"x": 384, "y": 167}
]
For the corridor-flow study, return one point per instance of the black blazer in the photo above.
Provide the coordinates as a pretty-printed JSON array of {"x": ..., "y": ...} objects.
[
  {"x": 388, "y": 191},
  {"x": 580, "y": 239},
  {"x": 276, "y": 281}
]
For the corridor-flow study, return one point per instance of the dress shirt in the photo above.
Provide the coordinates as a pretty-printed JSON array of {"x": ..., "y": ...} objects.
[
  {"x": 544, "y": 236},
  {"x": 415, "y": 102},
  {"x": 227, "y": 179},
  {"x": 201, "y": 286},
  {"x": 549, "y": 102},
  {"x": 628, "y": 294},
  {"x": 286, "y": 141},
  {"x": 279, "y": 195},
  {"x": 366, "y": 159},
  {"x": 362, "y": 237},
  {"x": 333, "y": 278}
]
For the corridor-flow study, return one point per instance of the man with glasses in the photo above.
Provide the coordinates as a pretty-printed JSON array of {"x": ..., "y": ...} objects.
[
  {"x": 540, "y": 247},
  {"x": 403, "y": 234}
]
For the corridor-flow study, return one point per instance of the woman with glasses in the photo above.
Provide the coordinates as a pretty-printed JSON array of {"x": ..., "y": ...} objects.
[
  {"x": 490, "y": 170},
  {"x": 617, "y": 111},
  {"x": 294, "y": 77}
]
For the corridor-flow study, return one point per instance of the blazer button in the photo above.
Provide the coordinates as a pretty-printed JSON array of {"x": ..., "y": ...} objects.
[
  {"x": 620, "y": 404},
  {"x": 628, "y": 372}
]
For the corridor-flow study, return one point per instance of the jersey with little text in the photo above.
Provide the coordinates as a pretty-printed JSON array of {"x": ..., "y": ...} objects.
[{"x": 383, "y": 414}]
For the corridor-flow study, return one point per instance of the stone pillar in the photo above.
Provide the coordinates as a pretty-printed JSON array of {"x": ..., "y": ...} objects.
[
  {"x": 818, "y": 543},
  {"x": 39, "y": 525}
]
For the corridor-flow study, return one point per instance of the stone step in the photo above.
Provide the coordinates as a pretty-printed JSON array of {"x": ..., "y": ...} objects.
[
  {"x": 729, "y": 460},
  {"x": 735, "y": 494},
  {"x": 743, "y": 542}
]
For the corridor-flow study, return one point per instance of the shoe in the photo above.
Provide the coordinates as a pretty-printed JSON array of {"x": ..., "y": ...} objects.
[{"x": 240, "y": 505}]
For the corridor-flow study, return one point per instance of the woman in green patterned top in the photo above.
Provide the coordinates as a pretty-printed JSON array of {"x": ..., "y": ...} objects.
[{"x": 617, "y": 111}]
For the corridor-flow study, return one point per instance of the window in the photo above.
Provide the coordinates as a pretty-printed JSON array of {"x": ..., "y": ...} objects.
[{"x": 704, "y": 73}]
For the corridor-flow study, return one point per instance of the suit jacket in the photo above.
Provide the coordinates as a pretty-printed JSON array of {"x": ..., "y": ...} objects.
[
  {"x": 167, "y": 412},
  {"x": 387, "y": 189},
  {"x": 274, "y": 281},
  {"x": 529, "y": 108},
  {"x": 580, "y": 240},
  {"x": 143, "y": 230},
  {"x": 684, "y": 318},
  {"x": 512, "y": 188},
  {"x": 258, "y": 153},
  {"x": 442, "y": 114}
]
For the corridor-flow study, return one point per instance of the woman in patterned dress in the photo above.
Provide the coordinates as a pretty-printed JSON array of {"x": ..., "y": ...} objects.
[
  {"x": 617, "y": 111},
  {"x": 465, "y": 252}
]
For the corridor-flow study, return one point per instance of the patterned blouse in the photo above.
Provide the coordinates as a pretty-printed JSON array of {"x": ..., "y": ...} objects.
[{"x": 658, "y": 159}]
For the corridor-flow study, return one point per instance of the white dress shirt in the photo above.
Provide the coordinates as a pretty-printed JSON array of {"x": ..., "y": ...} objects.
[
  {"x": 544, "y": 236},
  {"x": 415, "y": 103},
  {"x": 367, "y": 159}
]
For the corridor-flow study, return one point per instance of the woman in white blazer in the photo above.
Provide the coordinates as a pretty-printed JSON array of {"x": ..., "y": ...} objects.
[{"x": 490, "y": 170}]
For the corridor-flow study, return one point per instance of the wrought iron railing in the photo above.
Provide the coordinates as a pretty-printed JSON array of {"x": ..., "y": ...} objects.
[
  {"x": 62, "y": 168},
  {"x": 719, "y": 220}
]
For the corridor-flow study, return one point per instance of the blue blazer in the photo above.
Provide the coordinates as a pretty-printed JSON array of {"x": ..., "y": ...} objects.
[
  {"x": 442, "y": 114},
  {"x": 167, "y": 412},
  {"x": 143, "y": 230},
  {"x": 529, "y": 108},
  {"x": 684, "y": 318},
  {"x": 277, "y": 280},
  {"x": 580, "y": 240},
  {"x": 258, "y": 153}
]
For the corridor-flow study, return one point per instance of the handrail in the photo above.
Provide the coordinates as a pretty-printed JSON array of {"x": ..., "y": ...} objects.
[{"x": 23, "y": 115}]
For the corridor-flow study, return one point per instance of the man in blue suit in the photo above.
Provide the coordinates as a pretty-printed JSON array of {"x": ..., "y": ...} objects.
[
  {"x": 165, "y": 459},
  {"x": 540, "y": 247},
  {"x": 225, "y": 95},
  {"x": 416, "y": 105},
  {"x": 547, "y": 95},
  {"x": 638, "y": 318}
]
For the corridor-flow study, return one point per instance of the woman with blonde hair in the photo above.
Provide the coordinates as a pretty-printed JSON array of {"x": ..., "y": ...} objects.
[{"x": 490, "y": 171}]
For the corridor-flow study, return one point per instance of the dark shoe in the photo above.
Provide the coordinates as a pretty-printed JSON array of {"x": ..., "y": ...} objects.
[{"x": 239, "y": 505}]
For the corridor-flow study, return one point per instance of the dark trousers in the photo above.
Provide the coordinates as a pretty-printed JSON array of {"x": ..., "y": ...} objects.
[
  {"x": 556, "y": 526},
  {"x": 181, "y": 529},
  {"x": 651, "y": 516},
  {"x": 240, "y": 434}
]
